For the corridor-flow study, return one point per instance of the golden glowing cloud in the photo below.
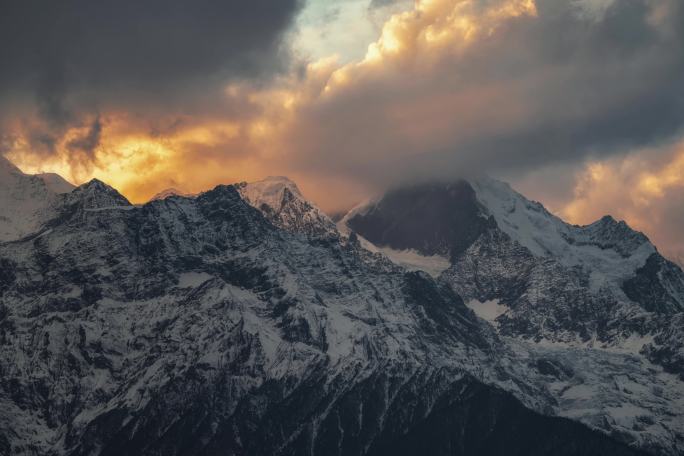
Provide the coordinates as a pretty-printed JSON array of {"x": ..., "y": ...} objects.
[
  {"x": 140, "y": 164},
  {"x": 201, "y": 152},
  {"x": 646, "y": 189},
  {"x": 326, "y": 126}
]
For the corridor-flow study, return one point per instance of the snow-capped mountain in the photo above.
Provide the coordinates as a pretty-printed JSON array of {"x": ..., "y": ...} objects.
[
  {"x": 56, "y": 183},
  {"x": 561, "y": 282},
  {"x": 281, "y": 202},
  {"x": 26, "y": 201},
  {"x": 226, "y": 324},
  {"x": 547, "y": 287},
  {"x": 169, "y": 192}
]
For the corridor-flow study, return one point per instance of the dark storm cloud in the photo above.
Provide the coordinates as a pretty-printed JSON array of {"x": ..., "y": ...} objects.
[
  {"x": 613, "y": 83},
  {"x": 558, "y": 87},
  {"x": 87, "y": 143},
  {"x": 148, "y": 45},
  {"x": 68, "y": 57}
]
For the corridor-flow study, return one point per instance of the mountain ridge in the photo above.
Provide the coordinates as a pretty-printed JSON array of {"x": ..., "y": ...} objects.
[
  {"x": 209, "y": 325},
  {"x": 562, "y": 282}
]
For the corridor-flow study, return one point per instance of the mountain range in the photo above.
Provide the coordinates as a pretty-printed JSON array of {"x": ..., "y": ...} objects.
[{"x": 453, "y": 318}]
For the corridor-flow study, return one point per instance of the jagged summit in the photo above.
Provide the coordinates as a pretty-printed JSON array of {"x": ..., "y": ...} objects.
[
  {"x": 169, "y": 192},
  {"x": 608, "y": 233},
  {"x": 282, "y": 203},
  {"x": 269, "y": 192},
  {"x": 546, "y": 235},
  {"x": 97, "y": 186},
  {"x": 552, "y": 280},
  {"x": 96, "y": 194}
]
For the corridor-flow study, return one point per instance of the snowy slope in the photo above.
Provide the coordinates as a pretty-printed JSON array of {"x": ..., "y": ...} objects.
[
  {"x": 600, "y": 285},
  {"x": 607, "y": 248},
  {"x": 26, "y": 201},
  {"x": 169, "y": 192},
  {"x": 615, "y": 260},
  {"x": 56, "y": 183}
]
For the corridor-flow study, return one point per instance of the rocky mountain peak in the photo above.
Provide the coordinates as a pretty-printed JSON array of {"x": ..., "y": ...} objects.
[
  {"x": 169, "y": 192},
  {"x": 96, "y": 194},
  {"x": 270, "y": 193},
  {"x": 433, "y": 219},
  {"x": 538, "y": 276},
  {"x": 283, "y": 204}
]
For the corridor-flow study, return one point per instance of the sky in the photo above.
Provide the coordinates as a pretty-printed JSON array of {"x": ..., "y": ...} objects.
[{"x": 577, "y": 103}]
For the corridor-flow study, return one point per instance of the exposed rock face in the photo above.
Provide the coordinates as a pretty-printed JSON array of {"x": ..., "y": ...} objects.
[
  {"x": 657, "y": 286},
  {"x": 433, "y": 219},
  {"x": 667, "y": 348}
]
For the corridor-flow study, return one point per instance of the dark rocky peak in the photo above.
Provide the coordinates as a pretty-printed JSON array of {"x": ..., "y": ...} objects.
[
  {"x": 96, "y": 184},
  {"x": 610, "y": 233},
  {"x": 434, "y": 219},
  {"x": 607, "y": 225},
  {"x": 224, "y": 204},
  {"x": 96, "y": 195},
  {"x": 658, "y": 286},
  {"x": 288, "y": 197},
  {"x": 226, "y": 193}
]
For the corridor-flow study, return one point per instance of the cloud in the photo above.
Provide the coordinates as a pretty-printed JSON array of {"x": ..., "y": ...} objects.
[
  {"x": 63, "y": 62},
  {"x": 87, "y": 143},
  {"x": 498, "y": 86},
  {"x": 515, "y": 88},
  {"x": 645, "y": 188},
  {"x": 138, "y": 48}
]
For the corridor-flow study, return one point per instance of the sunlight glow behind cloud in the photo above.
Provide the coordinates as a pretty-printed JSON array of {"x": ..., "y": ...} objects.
[{"x": 437, "y": 88}]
